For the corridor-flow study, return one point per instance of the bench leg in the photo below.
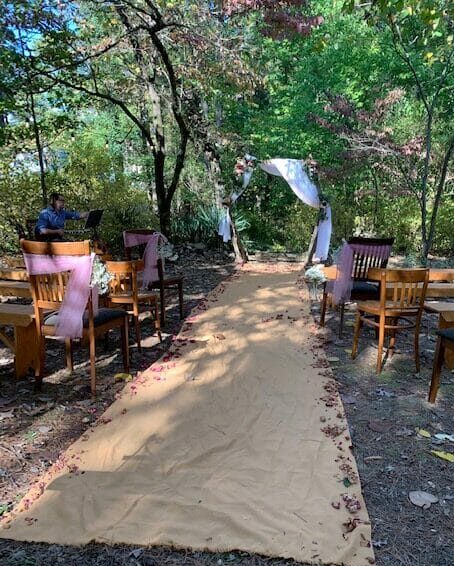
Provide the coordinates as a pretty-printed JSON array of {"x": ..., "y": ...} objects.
[
  {"x": 26, "y": 349},
  {"x": 438, "y": 363}
]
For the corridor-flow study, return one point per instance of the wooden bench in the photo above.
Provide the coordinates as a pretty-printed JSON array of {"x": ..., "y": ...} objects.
[
  {"x": 25, "y": 343},
  {"x": 13, "y": 274},
  {"x": 15, "y": 289}
]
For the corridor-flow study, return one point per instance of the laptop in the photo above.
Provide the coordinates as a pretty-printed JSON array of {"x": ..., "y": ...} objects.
[{"x": 93, "y": 219}]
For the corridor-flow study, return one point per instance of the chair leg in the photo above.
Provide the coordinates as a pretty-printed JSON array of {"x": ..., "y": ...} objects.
[
  {"x": 69, "y": 354},
  {"x": 341, "y": 322},
  {"x": 323, "y": 308},
  {"x": 381, "y": 342},
  {"x": 180, "y": 298},
  {"x": 125, "y": 345},
  {"x": 137, "y": 325},
  {"x": 157, "y": 321},
  {"x": 438, "y": 364},
  {"x": 39, "y": 371},
  {"x": 358, "y": 326},
  {"x": 392, "y": 341},
  {"x": 92, "y": 346},
  {"x": 163, "y": 304}
]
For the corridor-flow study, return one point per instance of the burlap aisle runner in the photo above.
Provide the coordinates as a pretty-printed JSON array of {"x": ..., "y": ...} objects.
[{"x": 236, "y": 440}]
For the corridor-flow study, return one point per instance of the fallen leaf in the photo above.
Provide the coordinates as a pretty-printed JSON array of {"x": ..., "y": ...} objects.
[
  {"x": 404, "y": 432},
  {"x": 442, "y": 436},
  {"x": 332, "y": 359},
  {"x": 44, "y": 429},
  {"x": 379, "y": 426},
  {"x": 122, "y": 377},
  {"x": 372, "y": 458},
  {"x": 423, "y": 433},
  {"x": 422, "y": 499},
  {"x": 443, "y": 455}
]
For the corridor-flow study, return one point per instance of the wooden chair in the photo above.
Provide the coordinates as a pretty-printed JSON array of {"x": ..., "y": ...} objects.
[
  {"x": 124, "y": 290},
  {"x": 445, "y": 342},
  {"x": 402, "y": 312},
  {"x": 48, "y": 291},
  {"x": 363, "y": 289},
  {"x": 163, "y": 282}
]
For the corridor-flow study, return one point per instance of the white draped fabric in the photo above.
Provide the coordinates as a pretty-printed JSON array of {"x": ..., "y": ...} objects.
[
  {"x": 293, "y": 171},
  {"x": 224, "y": 229}
]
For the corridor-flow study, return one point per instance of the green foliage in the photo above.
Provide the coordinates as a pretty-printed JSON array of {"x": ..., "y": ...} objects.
[
  {"x": 202, "y": 225},
  {"x": 261, "y": 97}
]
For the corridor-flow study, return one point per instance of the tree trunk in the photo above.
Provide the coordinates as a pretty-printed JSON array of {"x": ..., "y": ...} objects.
[
  {"x": 164, "y": 219},
  {"x": 439, "y": 193},
  {"x": 39, "y": 148},
  {"x": 240, "y": 253}
]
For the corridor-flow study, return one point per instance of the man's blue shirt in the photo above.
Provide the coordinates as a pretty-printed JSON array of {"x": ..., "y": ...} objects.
[{"x": 50, "y": 218}]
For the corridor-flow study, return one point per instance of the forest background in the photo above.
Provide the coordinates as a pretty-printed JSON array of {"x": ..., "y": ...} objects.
[{"x": 142, "y": 108}]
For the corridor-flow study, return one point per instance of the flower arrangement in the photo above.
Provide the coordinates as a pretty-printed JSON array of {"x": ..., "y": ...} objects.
[
  {"x": 314, "y": 277},
  {"x": 244, "y": 165},
  {"x": 100, "y": 276}
]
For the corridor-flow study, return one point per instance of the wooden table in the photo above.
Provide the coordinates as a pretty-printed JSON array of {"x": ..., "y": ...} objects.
[
  {"x": 25, "y": 343},
  {"x": 445, "y": 320},
  {"x": 15, "y": 289}
]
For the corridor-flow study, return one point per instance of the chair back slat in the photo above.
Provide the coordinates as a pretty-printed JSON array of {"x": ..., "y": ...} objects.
[
  {"x": 362, "y": 262},
  {"x": 124, "y": 277},
  {"x": 136, "y": 252},
  {"x": 408, "y": 288}
]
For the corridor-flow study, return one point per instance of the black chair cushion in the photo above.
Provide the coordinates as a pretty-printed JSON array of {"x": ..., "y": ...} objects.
[
  {"x": 103, "y": 316},
  {"x": 447, "y": 333},
  {"x": 365, "y": 289}
]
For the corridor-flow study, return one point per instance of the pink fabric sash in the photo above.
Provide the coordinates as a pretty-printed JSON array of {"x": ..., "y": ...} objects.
[
  {"x": 70, "y": 316},
  {"x": 150, "y": 258},
  {"x": 341, "y": 288},
  {"x": 134, "y": 239},
  {"x": 150, "y": 255}
]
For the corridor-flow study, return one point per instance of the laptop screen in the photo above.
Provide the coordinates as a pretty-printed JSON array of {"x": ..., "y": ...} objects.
[{"x": 93, "y": 218}]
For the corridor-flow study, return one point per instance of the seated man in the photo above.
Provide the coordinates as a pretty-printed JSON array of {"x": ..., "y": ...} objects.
[{"x": 51, "y": 221}]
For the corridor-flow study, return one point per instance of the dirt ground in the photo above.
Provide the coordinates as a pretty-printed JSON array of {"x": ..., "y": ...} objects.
[{"x": 384, "y": 413}]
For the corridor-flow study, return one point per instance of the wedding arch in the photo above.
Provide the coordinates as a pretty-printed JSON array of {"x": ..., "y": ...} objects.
[{"x": 293, "y": 171}]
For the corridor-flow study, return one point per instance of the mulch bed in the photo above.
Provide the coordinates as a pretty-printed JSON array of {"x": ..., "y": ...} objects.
[{"x": 383, "y": 413}]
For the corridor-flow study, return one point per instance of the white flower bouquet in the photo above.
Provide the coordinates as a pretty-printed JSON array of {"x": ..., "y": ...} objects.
[
  {"x": 100, "y": 276},
  {"x": 314, "y": 277}
]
